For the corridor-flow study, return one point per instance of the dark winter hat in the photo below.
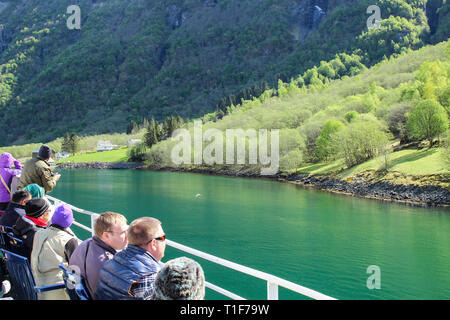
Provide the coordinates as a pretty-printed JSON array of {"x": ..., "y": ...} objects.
[
  {"x": 36, "y": 207},
  {"x": 180, "y": 279},
  {"x": 45, "y": 152},
  {"x": 63, "y": 216}
]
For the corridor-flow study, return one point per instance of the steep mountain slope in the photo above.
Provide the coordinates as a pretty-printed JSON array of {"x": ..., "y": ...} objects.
[{"x": 143, "y": 58}]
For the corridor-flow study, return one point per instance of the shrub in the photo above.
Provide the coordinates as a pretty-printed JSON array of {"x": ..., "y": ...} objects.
[
  {"x": 350, "y": 116},
  {"x": 137, "y": 153},
  {"x": 360, "y": 141},
  {"x": 427, "y": 120},
  {"x": 323, "y": 145},
  {"x": 397, "y": 119}
]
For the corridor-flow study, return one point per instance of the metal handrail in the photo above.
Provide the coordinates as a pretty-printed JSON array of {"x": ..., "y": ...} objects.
[{"x": 273, "y": 282}]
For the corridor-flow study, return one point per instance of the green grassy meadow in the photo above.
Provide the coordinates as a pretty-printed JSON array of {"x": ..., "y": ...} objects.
[{"x": 119, "y": 155}]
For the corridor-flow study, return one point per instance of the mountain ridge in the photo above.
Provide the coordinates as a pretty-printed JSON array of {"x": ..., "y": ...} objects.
[{"x": 135, "y": 59}]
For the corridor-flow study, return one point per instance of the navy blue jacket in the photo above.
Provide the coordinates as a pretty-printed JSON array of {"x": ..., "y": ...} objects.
[
  {"x": 12, "y": 213},
  {"x": 118, "y": 274}
]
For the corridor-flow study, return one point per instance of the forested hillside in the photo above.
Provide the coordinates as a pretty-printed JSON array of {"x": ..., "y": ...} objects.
[
  {"x": 134, "y": 59},
  {"x": 346, "y": 122}
]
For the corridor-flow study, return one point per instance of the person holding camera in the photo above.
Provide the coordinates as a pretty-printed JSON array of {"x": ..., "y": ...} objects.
[{"x": 37, "y": 170}]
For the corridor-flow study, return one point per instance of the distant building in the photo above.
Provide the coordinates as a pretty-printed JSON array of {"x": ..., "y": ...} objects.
[
  {"x": 106, "y": 145},
  {"x": 62, "y": 155},
  {"x": 133, "y": 142}
]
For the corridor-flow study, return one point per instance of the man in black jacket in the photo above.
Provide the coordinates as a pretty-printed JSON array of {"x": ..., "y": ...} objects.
[
  {"x": 38, "y": 213},
  {"x": 16, "y": 208}
]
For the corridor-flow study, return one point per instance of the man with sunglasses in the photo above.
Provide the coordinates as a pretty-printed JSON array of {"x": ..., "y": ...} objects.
[{"x": 131, "y": 274}]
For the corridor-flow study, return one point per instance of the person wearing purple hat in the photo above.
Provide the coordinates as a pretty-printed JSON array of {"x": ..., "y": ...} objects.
[
  {"x": 52, "y": 246},
  {"x": 63, "y": 216}
]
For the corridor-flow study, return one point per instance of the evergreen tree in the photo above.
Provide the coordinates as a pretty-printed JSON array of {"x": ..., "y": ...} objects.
[
  {"x": 219, "y": 114},
  {"x": 159, "y": 131},
  {"x": 65, "y": 145},
  {"x": 151, "y": 137},
  {"x": 180, "y": 122},
  {"x": 74, "y": 144},
  {"x": 144, "y": 124},
  {"x": 132, "y": 126},
  {"x": 170, "y": 125}
]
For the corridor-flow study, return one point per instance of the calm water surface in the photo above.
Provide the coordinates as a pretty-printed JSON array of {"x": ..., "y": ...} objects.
[{"x": 319, "y": 240}]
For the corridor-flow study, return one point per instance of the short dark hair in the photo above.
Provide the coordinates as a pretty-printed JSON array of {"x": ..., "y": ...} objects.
[{"x": 20, "y": 195}]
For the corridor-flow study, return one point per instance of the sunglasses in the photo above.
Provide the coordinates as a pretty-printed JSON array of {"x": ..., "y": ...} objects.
[{"x": 162, "y": 238}]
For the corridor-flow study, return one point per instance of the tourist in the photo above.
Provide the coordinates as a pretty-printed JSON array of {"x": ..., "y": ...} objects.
[
  {"x": 110, "y": 236},
  {"x": 131, "y": 273},
  {"x": 6, "y": 176},
  {"x": 37, "y": 170},
  {"x": 52, "y": 246},
  {"x": 180, "y": 279},
  {"x": 16, "y": 208},
  {"x": 37, "y": 215},
  {"x": 36, "y": 190}
]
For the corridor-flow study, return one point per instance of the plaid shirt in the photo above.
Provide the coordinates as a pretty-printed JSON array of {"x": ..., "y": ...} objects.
[{"x": 143, "y": 287}]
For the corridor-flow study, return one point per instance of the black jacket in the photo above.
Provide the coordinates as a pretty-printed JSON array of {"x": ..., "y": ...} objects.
[
  {"x": 25, "y": 229},
  {"x": 12, "y": 213}
]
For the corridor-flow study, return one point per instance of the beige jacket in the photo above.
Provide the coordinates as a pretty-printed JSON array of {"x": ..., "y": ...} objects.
[{"x": 47, "y": 253}]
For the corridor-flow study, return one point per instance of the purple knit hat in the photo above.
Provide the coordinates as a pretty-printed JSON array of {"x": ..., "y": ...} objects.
[{"x": 63, "y": 216}]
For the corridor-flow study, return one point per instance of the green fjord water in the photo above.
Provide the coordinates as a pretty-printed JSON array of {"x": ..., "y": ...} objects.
[{"x": 319, "y": 240}]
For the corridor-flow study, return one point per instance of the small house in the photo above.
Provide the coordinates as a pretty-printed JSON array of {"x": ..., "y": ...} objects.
[
  {"x": 62, "y": 155},
  {"x": 105, "y": 145}
]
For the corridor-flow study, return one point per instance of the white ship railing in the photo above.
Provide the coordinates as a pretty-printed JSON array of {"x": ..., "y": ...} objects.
[{"x": 273, "y": 282}]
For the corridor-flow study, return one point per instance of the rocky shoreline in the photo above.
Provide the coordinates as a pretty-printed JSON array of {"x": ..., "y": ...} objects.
[
  {"x": 99, "y": 165},
  {"x": 423, "y": 196}
]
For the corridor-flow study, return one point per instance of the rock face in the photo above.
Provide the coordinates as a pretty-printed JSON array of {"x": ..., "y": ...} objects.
[
  {"x": 306, "y": 16},
  {"x": 174, "y": 16}
]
